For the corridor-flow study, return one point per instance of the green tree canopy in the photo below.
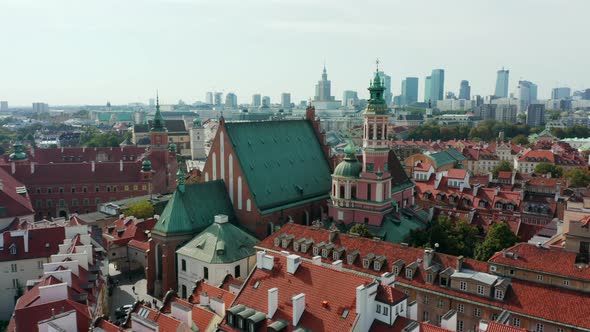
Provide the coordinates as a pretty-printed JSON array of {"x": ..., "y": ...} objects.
[
  {"x": 503, "y": 166},
  {"x": 499, "y": 237},
  {"x": 544, "y": 168},
  {"x": 457, "y": 238},
  {"x": 361, "y": 230},
  {"x": 520, "y": 139},
  {"x": 577, "y": 177},
  {"x": 140, "y": 210}
]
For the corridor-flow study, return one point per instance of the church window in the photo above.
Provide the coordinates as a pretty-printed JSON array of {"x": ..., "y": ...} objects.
[
  {"x": 126, "y": 187},
  {"x": 135, "y": 187},
  {"x": 144, "y": 187}
]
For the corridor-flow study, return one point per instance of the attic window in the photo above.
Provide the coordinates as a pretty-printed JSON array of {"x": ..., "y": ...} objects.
[
  {"x": 256, "y": 284},
  {"x": 12, "y": 249},
  {"x": 499, "y": 294},
  {"x": 409, "y": 274},
  {"x": 345, "y": 313}
]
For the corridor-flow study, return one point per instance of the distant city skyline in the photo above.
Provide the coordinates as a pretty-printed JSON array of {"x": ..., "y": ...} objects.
[{"x": 65, "y": 53}]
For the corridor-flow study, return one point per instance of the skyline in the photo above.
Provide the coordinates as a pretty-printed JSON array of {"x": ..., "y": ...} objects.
[{"x": 72, "y": 53}]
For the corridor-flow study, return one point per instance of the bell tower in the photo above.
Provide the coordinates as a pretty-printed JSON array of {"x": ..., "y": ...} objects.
[{"x": 158, "y": 131}]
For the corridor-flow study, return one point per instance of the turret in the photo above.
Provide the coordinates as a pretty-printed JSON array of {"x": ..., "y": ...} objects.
[{"x": 19, "y": 152}]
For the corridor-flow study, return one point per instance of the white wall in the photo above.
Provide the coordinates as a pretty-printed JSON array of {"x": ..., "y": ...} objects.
[
  {"x": 217, "y": 272},
  {"x": 27, "y": 269}
]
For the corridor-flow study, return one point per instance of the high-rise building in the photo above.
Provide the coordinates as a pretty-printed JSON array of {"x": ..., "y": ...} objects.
[
  {"x": 266, "y": 100},
  {"x": 560, "y": 93},
  {"x": 152, "y": 102},
  {"x": 231, "y": 100},
  {"x": 477, "y": 100},
  {"x": 502, "y": 83},
  {"x": 256, "y": 100},
  {"x": 387, "y": 95},
  {"x": 535, "y": 115},
  {"x": 427, "y": 88},
  {"x": 40, "y": 107},
  {"x": 437, "y": 85},
  {"x": 209, "y": 98},
  {"x": 409, "y": 90},
  {"x": 526, "y": 93},
  {"x": 465, "y": 90},
  {"x": 323, "y": 88},
  {"x": 285, "y": 100},
  {"x": 349, "y": 98},
  {"x": 506, "y": 113},
  {"x": 3, "y": 106},
  {"x": 218, "y": 97}
]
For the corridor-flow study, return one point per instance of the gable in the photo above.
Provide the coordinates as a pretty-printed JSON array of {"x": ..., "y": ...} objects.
[{"x": 282, "y": 161}]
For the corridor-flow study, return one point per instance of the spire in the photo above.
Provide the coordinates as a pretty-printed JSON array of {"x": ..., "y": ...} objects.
[
  {"x": 180, "y": 178},
  {"x": 158, "y": 123},
  {"x": 377, "y": 103},
  {"x": 324, "y": 72},
  {"x": 350, "y": 150}
]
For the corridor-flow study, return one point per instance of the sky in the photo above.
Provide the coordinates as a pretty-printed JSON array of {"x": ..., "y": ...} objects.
[{"x": 77, "y": 52}]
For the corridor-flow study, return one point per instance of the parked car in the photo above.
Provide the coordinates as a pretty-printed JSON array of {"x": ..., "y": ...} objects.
[{"x": 123, "y": 310}]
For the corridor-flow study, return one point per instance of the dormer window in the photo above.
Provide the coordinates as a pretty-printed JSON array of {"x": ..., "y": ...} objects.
[
  {"x": 499, "y": 294},
  {"x": 409, "y": 274},
  {"x": 351, "y": 257},
  {"x": 317, "y": 248},
  {"x": 395, "y": 270},
  {"x": 367, "y": 260},
  {"x": 303, "y": 248},
  {"x": 296, "y": 246},
  {"x": 444, "y": 281},
  {"x": 13, "y": 249},
  {"x": 429, "y": 278},
  {"x": 379, "y": 262}
]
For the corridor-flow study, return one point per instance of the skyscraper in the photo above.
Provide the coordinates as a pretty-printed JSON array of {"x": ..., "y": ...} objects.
[
  {"x": 560, "y": 93},
  {"x": 526, "y": 94},
  {"x": 387, "y": 83},
  {"x": 256, "y": 100},
  {"x": 535, "y": 115},
  {"x": 40, "y": 107},
  {"x": 465, "y": 90},
  {"x": 218, "y": 96},
  {"x": 349, "y": 98},
  {"x": 209, "y": 98},
  {"x": 437, "y": 85},
  {"x": 266, "y": 100},
  {"x": 323, "y": 88},
  {"x": 427, "y": 88},
  {"x": 3, "y": 106},
  {"x": 285, "y": 100},
  {"x": 409, "y": 90},
  {"x": 502, "y": 83},
  {"x": 231, "y": 100}
]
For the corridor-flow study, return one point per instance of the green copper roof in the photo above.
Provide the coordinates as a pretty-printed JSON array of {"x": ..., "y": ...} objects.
[
  {"x": 282, "y": 161},
  {"x": 350, "y": 166},
  {"x": 447, "y": 157},
  {"x": 104, "y": 116},
  {"x": 396, "y": 227},
  {"x": 220, "y": 243},
  {"x": 158, "y": 123},
  {"x": 376, "y": 103},
  {"x": 146, "y": 166},
  {"x": 193, "y": 210},
  {"x": 125, "y": 116},
  {"x": 19, "y": 152}
]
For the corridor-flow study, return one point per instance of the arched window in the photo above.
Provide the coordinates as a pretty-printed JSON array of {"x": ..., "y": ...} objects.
[{"x": 342, "y": 192}]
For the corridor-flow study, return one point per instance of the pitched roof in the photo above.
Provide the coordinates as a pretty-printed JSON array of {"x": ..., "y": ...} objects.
[
  {"x": 201, "y": 318},
  {"x": 497, "y": 327},
  {"x": 31, "y": 243},
  {"x": 538, "y": 156},
  {"x": 13, "y": 197},
  {"x": 172, "y": 126},
  {"x": 504, "y": 175},
  {"x": 194, "y": 209},
  {"x": 123, "y": 230},
  {"x": 398, "y": 175},
  {"x": 283, "y": 161},
  {"x": 220, "y": 243},
  {"x": 216, "y": 292},
  {"x": 455, "y": 173}
]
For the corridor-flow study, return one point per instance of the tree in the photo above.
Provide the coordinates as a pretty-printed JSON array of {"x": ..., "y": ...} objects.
[
  {"x": 140, "y": 210},
  {"x": 520, "y": 140},
  {"x": 499, "y": 237},
  {"x": 454, "y": 238},
  {"x": 544, "y": 168},
  {"x": 577, "y": 177},
  {"x": 361, "y": 230},
  {"x": 503, "y": 166}
]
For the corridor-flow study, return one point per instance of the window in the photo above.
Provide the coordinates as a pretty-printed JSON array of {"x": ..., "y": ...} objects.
[
  {"x": 396, "y": 270},
  {"x": 38, "y": 190},
  {"x": 425, "y": 316},
  {"x": 62, "y": 203},
  {"x": 377, "y": 266},
  {"x": 108, "y": 189},
  {"x": 366, "y": 263},
  {"x": 49, "y": 203},
  {"x": 97, "y": 189},
  {"x": 409, "y": 273},
  {"x": 463, "y": 285},
  {"x": 61, "y": 189},
  {"x": 460, "y": 308},
  {"x": 183, "y": 263},
  {"x": 439, "y": 303},
  {"x": 477, "y": 312},
  {"x": 39, "y": 264},
  {"x": 14, "y": 283},
  {"x": 126, "y": 187},
  {"x": 516, "y": 322},
  {"x": 511, "y": 272},
  {"x": 205, "y": 272},
  {"x": 481, "y": 290},
  {"x": 73, "y": 189},
  {"x": 237, "y": 272},
  {"x": 13, "y": 249},
  {"x": 74, "y": 202},
  {"x": 85, "y": 189},
  {"x": 425, "y": 299},
  {"x": 378, "y": 308},
  {"x": 429, "y": 277},
  {"x": 49, "y": 190},
  {"x": 566, "y": 282},
  {"x": 385, "y": 311},
  {"x": 559, "y": 329},
  {"x": 97, "y": 200},
  {"x": 13, "y": 268},
  {"x": 86, "y": 201},
  {"x": 540, "y": 277},
  {"x": 539, "y": 327},
  {"x": 460, "y": 326},
  {"x": 316, "y": 250},
  {"x": 39, "y": 203},
  {"x": 499, "y": 294},
  {"x": 135, "y": 187}
]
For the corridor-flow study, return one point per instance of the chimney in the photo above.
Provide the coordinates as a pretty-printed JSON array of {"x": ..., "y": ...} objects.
[
  {"x": 32, "y": 167},
  {"x": 459, "y": 263},
  {"x": 260, "y": 259},
  {"x": 204, "y": 298},
  {"x": 337, "y": 265},
  {"x": 293, "y": 262},
  {"x": 273, "y": 301},
  {"x": 428, "y": 254},
  {"x": 182, "y": 313},
  {"x": 449, "y": 321},
  {"x": 317, "y": 260},
  {"x": 121, "y": 165},
  {"x": 475, "y": 189},
  {"x": 221, "y": 219},
  {"x": 388, "y": 279},
  {"x": 298, "y": 307},
  {"x": 93, "y": 165},
  {"x": 333, "y": 235},
  {"x": 13, "y": 167}
]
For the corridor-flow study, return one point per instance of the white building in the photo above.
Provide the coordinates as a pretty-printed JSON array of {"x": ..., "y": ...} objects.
[
  {"x": 219, "y": 250},
  {"x": 198, "y": 139}
]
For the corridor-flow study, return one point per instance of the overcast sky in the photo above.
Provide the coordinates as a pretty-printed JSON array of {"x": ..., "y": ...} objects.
[{"x": 88, "y": 52}]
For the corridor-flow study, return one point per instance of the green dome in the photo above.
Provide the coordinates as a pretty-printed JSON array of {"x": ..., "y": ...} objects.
[
  {"x": 196, "y": 122},
  {"x": 19, "y": 153},
  {"x": 350, "y": 167},
  {"x": 172, "y": 147},
  {"x": 146, "y": 166}
]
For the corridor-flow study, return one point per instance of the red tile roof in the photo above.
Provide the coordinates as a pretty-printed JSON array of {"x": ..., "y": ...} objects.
[
  {"x": 166, "y": 323},
  {"x": 41, "y": 242},
  {"x": 121, "y": 231},
  {"x": 108, "y": 326},
  {"x": 538, "y": 156},
  {"x": 212, "y": 291},
  {"x": 504, "y": 175},
  {"x": 426, "y": 327},
  {"x": 201, "y": 317},
  {"x": 457, "y": 174},
  {"x": 532, "y": 257},
  {"x": 497, "y": 327},
  {"x": 16, "y": 205},
  {"x": 422, "y": 167}
]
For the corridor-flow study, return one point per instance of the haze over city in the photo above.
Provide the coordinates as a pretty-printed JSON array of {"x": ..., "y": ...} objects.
[{"x": 68, "y": 52}]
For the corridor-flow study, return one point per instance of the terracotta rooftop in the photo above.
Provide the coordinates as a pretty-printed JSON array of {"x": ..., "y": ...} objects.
[
  {"x": 456, "y": 173},
  {"x": 14, "y": 197},
  {"x": 31, "y": 243},
  {"x": 497, "y": 327}
]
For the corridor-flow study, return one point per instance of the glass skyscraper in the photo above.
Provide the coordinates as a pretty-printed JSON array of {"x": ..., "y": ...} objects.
[
  {"x": 502, "y": 83},
  {"x": 437, "y": 85},
  {"x": 427, "y": 96},
  {"x": 409, "y": 90}
]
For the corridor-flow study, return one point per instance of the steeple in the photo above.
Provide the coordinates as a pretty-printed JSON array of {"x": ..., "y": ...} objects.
[
  {"x": 180, "y": 178},
  {"x": 377, "y": 103},
  {"x": 324, "y": 73},
  {"x": 158, "y": 123}
]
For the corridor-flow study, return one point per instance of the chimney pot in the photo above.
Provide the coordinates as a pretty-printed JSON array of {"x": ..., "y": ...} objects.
[{"x": 317, "y": 260}]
